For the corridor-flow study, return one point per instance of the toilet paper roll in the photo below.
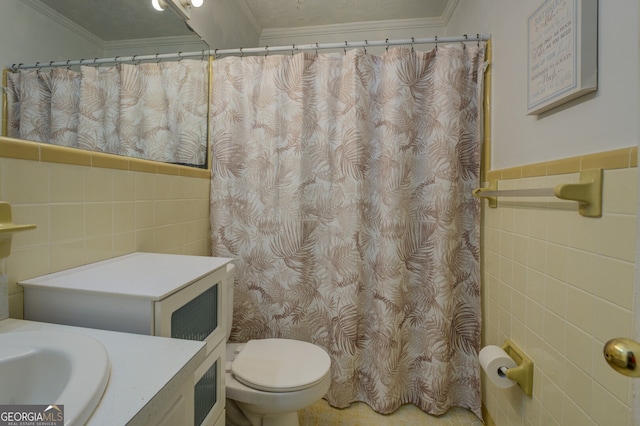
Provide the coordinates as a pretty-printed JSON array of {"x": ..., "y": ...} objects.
[{"x": 492, "y": 359}]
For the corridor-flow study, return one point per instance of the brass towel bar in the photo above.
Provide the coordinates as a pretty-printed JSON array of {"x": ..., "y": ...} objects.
[{"x": 587, "y": 192}]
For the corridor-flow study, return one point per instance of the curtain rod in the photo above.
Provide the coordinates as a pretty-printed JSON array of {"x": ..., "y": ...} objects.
[{"x": 252, "y": 50}]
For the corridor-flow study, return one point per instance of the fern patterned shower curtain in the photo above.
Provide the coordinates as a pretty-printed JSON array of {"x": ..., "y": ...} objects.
[
  {"x": 154, "y": 111},
  {"x": 341, "y": 186}
]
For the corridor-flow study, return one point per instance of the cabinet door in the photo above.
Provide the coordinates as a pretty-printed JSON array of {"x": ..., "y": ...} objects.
[
  {"x": 221, "y": 419},
  {"x": 209, "y": 388},
  {"x": 175, "y": 415},
  {"x": 195, "y": 312},
  {"x": 180, "y": 411}
]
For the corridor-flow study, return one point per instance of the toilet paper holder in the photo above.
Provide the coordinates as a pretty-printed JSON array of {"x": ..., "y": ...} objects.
[{"x": 523, "y": 373}]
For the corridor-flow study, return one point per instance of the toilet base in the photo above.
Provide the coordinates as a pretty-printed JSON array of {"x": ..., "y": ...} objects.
[
  {"x": 238, "y": 414},
  {"x": 284, "y": 419}
]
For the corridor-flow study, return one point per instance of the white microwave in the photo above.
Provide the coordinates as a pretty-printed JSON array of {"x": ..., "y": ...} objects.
[{"x": 167, "y": 295}]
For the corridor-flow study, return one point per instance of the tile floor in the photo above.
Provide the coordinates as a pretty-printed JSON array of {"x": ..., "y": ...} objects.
[{"x": 359, "y": 414}]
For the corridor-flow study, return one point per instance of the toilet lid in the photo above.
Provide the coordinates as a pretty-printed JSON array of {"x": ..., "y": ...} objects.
[{"x": 280, "y": 365}]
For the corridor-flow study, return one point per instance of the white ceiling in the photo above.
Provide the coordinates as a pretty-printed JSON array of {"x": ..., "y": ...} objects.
[
  {"x": 302, "y": 13},
  {"x": 132, "y": 19}
]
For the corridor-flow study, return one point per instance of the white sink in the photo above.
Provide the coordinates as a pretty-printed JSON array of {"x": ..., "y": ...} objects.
[{"x": 56, "y": 368}]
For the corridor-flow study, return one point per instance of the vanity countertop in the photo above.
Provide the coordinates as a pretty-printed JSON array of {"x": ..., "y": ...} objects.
[{"x": 145, "y": 370}]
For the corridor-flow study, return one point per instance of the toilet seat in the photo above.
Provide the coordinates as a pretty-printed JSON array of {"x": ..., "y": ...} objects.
[{"x": 280, "y": 365}]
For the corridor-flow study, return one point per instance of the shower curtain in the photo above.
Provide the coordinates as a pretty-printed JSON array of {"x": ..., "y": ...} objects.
[
  {"x": 341, "y": 185},
  {"x": 154, "y": 111}
]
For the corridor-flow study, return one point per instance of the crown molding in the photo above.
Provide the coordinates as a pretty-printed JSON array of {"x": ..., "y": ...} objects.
[
  {"x": 65, "y": 22},
  {"x": 354, "y": 27},
  {"x": 448, "y": 11}
]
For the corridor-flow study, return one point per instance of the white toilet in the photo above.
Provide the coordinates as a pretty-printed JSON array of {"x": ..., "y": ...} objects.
[{"x": 269, "y": 380}]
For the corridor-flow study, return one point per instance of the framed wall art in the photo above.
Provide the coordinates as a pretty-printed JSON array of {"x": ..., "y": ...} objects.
[{"x": 562, "y": 53}]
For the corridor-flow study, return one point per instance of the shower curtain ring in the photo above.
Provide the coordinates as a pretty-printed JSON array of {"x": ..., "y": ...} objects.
[
  {"x": 365, "y": 46},
  {"x": 413, "y": 40},
  {"x": 266, "y": 49},
  {"x": 345, "y": 48},
  {"x": 436, "y": 44},
  {"x": 316, "y": 47},
  {"x": 387, "y": 43}
]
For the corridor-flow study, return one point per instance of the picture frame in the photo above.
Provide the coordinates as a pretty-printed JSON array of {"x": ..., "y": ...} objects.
[{"x": 562, "y": 54}]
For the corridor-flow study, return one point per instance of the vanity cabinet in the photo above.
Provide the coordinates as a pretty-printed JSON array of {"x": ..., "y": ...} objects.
[
  {"x": 150, "y": 378},
  {"x": 178, "y": 412},
  {"x": 165, "y": 295}
]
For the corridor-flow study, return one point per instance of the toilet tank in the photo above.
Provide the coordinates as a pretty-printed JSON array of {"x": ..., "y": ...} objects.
[{"x": 229, "y": 284}]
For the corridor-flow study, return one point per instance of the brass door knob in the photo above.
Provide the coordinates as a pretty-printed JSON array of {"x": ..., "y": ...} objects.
[{"x": 622, "y": 355}]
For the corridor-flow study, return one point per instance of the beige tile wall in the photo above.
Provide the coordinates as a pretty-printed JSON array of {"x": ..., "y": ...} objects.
[
  {"x": 556, "y": 283},
  {"x": 560, "y": 285},
  {"x": 97, "y": 209}
]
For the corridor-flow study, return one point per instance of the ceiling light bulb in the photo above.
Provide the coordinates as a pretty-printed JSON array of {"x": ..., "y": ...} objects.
[
  {"x": 197, "y": 3},
  {"x": 159, "y": 5}
]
